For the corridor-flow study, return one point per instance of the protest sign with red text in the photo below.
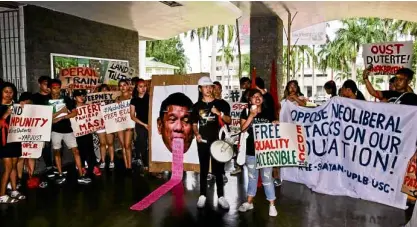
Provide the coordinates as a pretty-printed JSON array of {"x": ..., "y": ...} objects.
[
  {"x": 88, "y": 120},
  {"x": 32, "y": 149},
  {"x": 79, "y": 78},
  {"x": 410, "y": 181},
  {"x": 387, "y": 58},
  {"x": 117, "y": 117},
  {"x": 117, "y": 71},
  {"x": 30, "y": 123},
  {"x": 236, "y": 109},
  {"x": 281, "y": 144}
]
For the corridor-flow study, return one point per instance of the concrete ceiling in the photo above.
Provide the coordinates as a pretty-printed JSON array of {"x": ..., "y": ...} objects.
[
  {"x": 152, "y": 19},
  {"x": 155, "y": 20}
]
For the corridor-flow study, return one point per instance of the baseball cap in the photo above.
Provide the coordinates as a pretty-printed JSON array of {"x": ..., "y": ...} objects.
[
  {"x": 79, "y": 93},
  {"x": 205, "y": 81}
]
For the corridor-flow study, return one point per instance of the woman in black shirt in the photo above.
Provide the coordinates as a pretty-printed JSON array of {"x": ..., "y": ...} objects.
[
  {"x": 9, "y": 152},
  {"x": 139, "y": 107},
  {"x": 350, "y": 90}
]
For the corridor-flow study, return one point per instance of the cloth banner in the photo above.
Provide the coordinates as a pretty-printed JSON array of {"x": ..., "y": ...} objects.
[
  {"x": 32, "y": 149},
  {"x": 117, "y": 117},
  {"x": 355, "y": 148},
  {"x": 176, "y": 178},
  {"x": 79, "y": 78},
  {"x": 410, "y": 182},
  {"x": 117, "y": 71},
  {"x": 88, "y": 120},
  {"x": 387, "y": 58},
  {"x": 30, "y": 123},
  {"x": 99, "y": 97},
  {"x": 281, "y": 144}
]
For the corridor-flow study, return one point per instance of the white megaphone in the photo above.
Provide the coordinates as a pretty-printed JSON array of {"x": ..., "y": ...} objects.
[{"x": 222, "y": 150}]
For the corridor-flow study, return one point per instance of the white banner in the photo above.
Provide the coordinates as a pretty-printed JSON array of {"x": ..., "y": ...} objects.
[
  {"x": 88, "y": 120},
  {"x": 279, "y": 145},
  {"x": 30, "y": 123},
  {"x": 355, "y": 148},
  {"x": 117, "y": 117},
  {"x": 313, "y": 35},
  {"x": 387, "y": 58},
  {"x": 32, "y": 149}
]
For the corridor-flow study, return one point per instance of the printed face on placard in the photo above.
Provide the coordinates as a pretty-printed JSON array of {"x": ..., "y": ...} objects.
[{"x": 176, "y": 123}]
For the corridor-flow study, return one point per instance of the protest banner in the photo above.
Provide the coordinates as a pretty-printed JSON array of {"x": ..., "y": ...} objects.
[
  {"x": 32, "y": 149},
  {"x": 410, "y": 182},
  {"x": 57, "y": 105},
  {"x": 99, "y": 97},
  {"x": 117, "y": 71},
  {"x": 79, "y": 78},
  {"x": 235, "y": 95},
  {"x": 116, "y": 116},
  {"x": 387, "y": 58},
  {"x": 235, "y": 110},
  {"x": 88, "y": 120},
  {"x": 281, "y": 144},
  {"x": 30, "y": 123},
  {"x": 355, "y": 148}
]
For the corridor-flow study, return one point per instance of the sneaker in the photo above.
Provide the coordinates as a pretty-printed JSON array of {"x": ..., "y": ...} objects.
[
  {"x": 245, "y": 207},
  {"x": 209, "y": 177},
  {"x": 111, "y": 165},
  {"x": 273, "y": 211},
  {"x": 96, "y": 171},
  {"x": 225, "y": 180},
  {"x": 223, "y": 203},
  {"x": 277, "y": 182},
  {"x": 84, "y": 180},
  {"x": 201, "y": 201},
  {"x": 236, "y": 171},
  {"x": 9, "y": 186},
  {"x": 60, "y": 179},
  {"x": 57, "y": 173},
  {"x": 86, "y": 165},
  {"x": 102, "y": 165}
]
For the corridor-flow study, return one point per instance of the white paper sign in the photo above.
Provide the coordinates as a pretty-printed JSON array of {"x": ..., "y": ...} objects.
[
  {"x": 88, "y": 120},
  {"x": 387, "y": 58},
  {"x": 355, "y": 148},
  {"x": 30, "y": 123},
  {"x": 32, "y": 149},
  {"x": 117, "y": 117}
]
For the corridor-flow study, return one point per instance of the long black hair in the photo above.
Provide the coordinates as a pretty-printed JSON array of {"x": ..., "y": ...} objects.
[
  {"x": 287, "y": 89},
  {"x": 10, "y": 85},
  {"x": 354, "y": 88},
  {"x": 135, "y": 89},
  {"x": 331, "y": 85}
]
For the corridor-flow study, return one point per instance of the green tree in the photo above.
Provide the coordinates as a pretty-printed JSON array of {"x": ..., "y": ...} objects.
[
  {"x": 228, "y": 57},
  {"x": 169, "y": 51}
]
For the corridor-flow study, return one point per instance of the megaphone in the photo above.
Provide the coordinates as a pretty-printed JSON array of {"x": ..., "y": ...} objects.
[{"x": 222, "y": 150}]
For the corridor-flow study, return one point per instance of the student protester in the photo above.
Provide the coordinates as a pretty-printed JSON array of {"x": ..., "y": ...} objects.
[
  {"x": 206, "y": 114},
  {"x": 401, "y": 94},
  {"x": 9, "y": 152},
  {"x": 392, "y": 84},
  {"x": 41, "y": 98},
  {"x": 256, "y": 113},
  {"x": 350, "y": 90},
  {"x": 331, "y": 89},
  {"x": 245, "y": 83},
  {"x": 217, "y": 93},
  {"x": 86, "y": 143},
  {"x": 125, "y": 136},
  {"x": 106, "y": 140},
  {"x": 62, "y": 131},
  {"x": 293, "y": 94},
  {"x": 139, "y": 108}
]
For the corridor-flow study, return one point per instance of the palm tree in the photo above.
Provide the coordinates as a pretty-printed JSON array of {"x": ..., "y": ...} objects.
[
  {"x": 200, "y": 33},
  {"x": 228, "y": 57}
]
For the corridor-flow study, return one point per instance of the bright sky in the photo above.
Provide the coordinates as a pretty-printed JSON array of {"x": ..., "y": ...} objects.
[{"x": 191, "y": 49}]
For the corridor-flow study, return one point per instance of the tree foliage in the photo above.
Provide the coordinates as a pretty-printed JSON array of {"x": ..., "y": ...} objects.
[{"x": 169, "y": 51}]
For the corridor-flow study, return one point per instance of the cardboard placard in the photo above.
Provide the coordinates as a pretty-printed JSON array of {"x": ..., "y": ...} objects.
[
  {"x": 410, "y": 181},
  {"x": 32, "y": 149},
  {"x": 88, "y": 120},
  {"x": 168, "y": 84},
  {"x": 117, "y": 71},
  {"x": 99, "y": 97}
]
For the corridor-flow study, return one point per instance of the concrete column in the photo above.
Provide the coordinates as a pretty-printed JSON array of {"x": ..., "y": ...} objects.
[{"x": 266, "y": 34}]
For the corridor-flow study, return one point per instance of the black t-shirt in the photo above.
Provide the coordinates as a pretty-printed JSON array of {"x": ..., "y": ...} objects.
[
  {"x": 263, "y": 117},
  {"x": 64, "y": 125},
  {"x": 39, "y": 99},
  {"x": 244, "y": 94},
  {"x": 209, "y": 122},
  {"x": 406, "y": 99},
  {"x": 141, "y": 107}
]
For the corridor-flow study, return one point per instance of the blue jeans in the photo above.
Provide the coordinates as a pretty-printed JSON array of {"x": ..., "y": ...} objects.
[{"x": 267, "y": 180}]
